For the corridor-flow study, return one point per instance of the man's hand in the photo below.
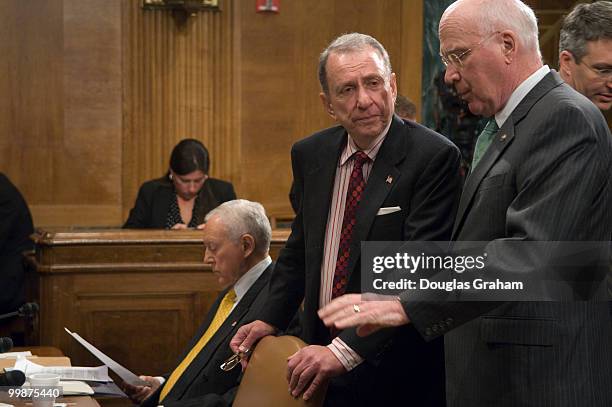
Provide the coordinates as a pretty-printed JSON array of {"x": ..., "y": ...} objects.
[
  {"x": 179, "y": 226},
  {"x": 138, "y": 394},
  {"x": 247, "y": 336},
  {"x": 369, "y": 316},
  {"x": 309, "y": 368}
]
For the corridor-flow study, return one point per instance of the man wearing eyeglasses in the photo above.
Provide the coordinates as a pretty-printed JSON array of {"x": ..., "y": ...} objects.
[
  {"x": 236, "y": 242},
  {"x": 542, "y": 172},
  {"x": 371, "y": 177},
  {"x": 585, "y": 52},
  {"x": 585, "y": 58}
]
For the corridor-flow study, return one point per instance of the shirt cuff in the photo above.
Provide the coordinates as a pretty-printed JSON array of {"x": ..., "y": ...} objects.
[
  {"x": 160, "y": 379},
  {"x": 347, "y": 356}
]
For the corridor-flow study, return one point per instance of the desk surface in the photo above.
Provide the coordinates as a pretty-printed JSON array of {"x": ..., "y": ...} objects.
[
  {"x": 44, "y": 361},
  {"x": 39, "y": 350},
  {"x": 78, "y": 401}
]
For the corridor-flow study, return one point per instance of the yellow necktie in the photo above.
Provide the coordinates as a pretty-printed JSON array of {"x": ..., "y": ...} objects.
[{"x": 222, "y": 313}]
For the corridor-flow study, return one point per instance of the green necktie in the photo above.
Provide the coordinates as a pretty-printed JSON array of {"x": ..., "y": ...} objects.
[{"x": 484, "y": 141}]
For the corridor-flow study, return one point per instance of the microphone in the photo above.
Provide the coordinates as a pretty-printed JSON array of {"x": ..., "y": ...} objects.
[
  {"x": 13, "y": 378},
  {"x": 6, "y": 344},
  {"x": 28, "y": 310}
]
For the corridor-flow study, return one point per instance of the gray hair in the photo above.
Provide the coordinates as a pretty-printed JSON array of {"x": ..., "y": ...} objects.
[
  {"x": 241, "y": 216},
  {"x": 498, "y": 15},
  {"x": 586, "y": 22},
  {"x": 347, "y": 43}
]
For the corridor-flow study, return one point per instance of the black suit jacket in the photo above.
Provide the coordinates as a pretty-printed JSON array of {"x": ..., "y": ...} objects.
[
  {"x": 15, "y": 230},
  {"x": 153, "y": 202},
  {"x": 546, "y": 177},
  {"x": 425, "y": 182},
  {"x": 204, "y": 383}
]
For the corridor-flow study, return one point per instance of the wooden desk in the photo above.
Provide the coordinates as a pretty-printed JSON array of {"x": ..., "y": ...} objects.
[
  {"x": 39, "y": 350},
  {"x": 72, "y": 401},
  {"x": 78, "y": 401},
  {"x": 41, "y": 360},
  {"x": 138, "y": 295}
]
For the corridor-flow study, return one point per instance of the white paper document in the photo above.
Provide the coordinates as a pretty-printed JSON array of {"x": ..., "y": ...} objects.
[
  {"x": 72, "y": 388},
  {"x": 121, "y": 371},
  {"x": 94, "y": 374},
  {"x": 14, "y": 354}
]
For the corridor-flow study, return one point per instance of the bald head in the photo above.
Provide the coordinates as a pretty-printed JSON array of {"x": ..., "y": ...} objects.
[
  {"x": 488, "y": 16},
  {"x": 489, "y": 47}
]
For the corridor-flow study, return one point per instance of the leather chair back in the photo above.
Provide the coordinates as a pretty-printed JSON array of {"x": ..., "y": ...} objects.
[{"x": 265, "y": 379}]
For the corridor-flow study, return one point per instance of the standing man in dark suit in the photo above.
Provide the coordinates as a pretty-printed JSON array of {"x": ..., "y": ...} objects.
[
  {"x": 373, "y": 177},
  {"x": 15, "y": 230},
  {"x": 585, "y": 59},
  {"x": 236, "y": 241},
  {"x": 542, "y": 172},
  {"x": 585, "y": 51}
]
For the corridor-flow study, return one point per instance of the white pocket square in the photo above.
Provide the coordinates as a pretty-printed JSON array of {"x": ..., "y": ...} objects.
[{"x": 386, "y": 211}]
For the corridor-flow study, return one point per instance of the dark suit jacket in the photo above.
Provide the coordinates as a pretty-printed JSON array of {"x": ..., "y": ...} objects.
[
  {"x": 15, "y": 230},
  {"x": 546, "y": 177},
  {"x": 153, "y": 202},
  {"x": 424, "y": 168},
  {"x": 204, "y": 383}
]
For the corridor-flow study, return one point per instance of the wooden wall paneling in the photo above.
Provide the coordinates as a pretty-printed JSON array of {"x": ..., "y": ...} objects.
[
  {"x": 61, "y": 135},
  {"x": 134, "y": 326},
  {"x": 271, "y": 100},
  {"x": 178, "y": 84},
  {"x": 280, "y": 90},
  {"x": 31, "y": 109},
  {"x": 126, "y": 316},
  {"x": 57, "y": 310},
  {"x": 91, "y": 150},
  {"x": 410, "y": 66}
]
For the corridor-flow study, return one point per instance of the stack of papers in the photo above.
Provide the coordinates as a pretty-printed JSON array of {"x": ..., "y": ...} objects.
[
  {"x": 95, "y": 374},
  {"x": 72, "y": 388},
  {"x": 6, "y": 355}
]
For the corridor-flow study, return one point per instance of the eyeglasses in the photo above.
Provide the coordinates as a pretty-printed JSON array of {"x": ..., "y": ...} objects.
[
  {"x": 234, "y": 360},
  {"x": 456, "y": 59},
  {"x": 604, "y": 74}
]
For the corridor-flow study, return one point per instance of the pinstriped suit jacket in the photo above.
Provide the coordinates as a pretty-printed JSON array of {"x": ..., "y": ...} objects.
[{"x": 547, "y": 176}]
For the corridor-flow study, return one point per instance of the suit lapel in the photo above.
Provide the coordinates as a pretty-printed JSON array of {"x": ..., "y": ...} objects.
[
  {"x": 319, "y": 184},
  {"x": 320, "y": 181},
  {"x": 223, "y": 333},
  {"x": 161, "y": 204},
  {"x": 502, "y": 140},
  {"x": 383, "y": 176}
]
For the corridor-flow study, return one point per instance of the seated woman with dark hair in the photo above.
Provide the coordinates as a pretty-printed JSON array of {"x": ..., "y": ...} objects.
[{"x": 182, "y": 198}]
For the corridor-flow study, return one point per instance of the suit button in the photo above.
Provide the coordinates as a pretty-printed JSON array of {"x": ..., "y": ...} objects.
[
  {"x": 435, "y": 328},
  {"x": 449, "y": 321},
  {"x": 428, "y": 332}
]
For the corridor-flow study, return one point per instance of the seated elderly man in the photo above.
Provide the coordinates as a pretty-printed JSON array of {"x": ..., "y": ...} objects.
[{"x": 236, "y": 242}]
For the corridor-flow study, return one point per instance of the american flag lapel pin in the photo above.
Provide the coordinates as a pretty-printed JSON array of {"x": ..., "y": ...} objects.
[{"x": 389, "y": 179}]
